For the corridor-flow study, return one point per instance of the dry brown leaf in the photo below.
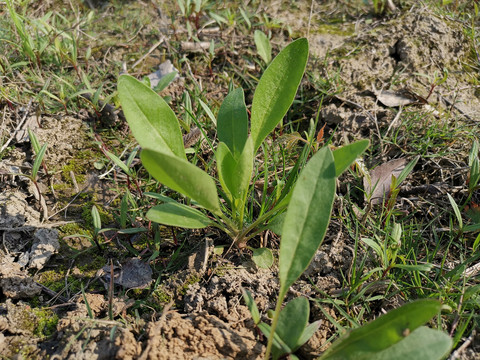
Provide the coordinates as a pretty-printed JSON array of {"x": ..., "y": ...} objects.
[
  {"x": 195, "y": 47},
  {"x": 381, "y": 180},
  {"x": 192, "y": 137},
  {"x": 135, "y": 273},
  {"x": 402, "y": 97}
]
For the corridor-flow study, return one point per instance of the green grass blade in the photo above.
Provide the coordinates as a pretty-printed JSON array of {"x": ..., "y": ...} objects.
[
  {"x": 307, "y": 217},
  {"x": 176, "y": 214},
  {"x": 387, "y": 330},
  {"x": 97, "y": 221},
  {"x": 89, "y": 309},
  {"x": 132, "y": 155},
  {"x": 182, "y": 176},
  {"x": 232, "y": 122},
  {"x": 118, "y": 162},
  {"x": 247, "y": 296},
  {"x": 208, "y": 111},
  {"x": 165, "y": 81},
  {"x": 27, "y": 42},
  {"x": 38, "y": 160},
  {"x": 347, "y": 154},
  {"x": 418, "y": 267},
  {"x": 152, "y": 121},
  {"x": 124, "y": 210},
  {"x": 276, "y": 89},
  {"x": 407, "y": 170},
  {"x": 456, "y": 210}
]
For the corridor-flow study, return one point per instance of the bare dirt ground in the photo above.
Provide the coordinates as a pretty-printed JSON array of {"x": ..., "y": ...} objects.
[{"x": 203, "y": 315}]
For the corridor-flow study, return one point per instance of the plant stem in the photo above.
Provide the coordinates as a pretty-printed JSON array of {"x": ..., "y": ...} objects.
[
  {"x": 278, "y": 308},
  {"x": 242, "y": 236}
]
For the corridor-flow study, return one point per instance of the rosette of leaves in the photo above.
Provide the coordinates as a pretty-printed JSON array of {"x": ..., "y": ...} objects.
[{"x": 157, "y": 130}]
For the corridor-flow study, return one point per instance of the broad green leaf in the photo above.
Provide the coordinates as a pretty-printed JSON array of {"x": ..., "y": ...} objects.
[
  {"x": 276, "y": 89},
  {"x": 423, "y": 343},
  {"x": 38, "y": 160},
  {"x": 387, "y": 330},
  {"x": 151, "y": 120},
  {"x": 247, "y": 296},
  {"x": 307, "y": 217},
  {"x": 262, "y": 257},
  {"x": 292, "y": 321},
  {"x": 182, "y": 176},
  {"x": 235, "y": 173},
  {"x": 276, "y": 224},
  {"x": 176, "y": 214},
  {"x": 347, "y": 154},
  {"x": 264, "y": 48},
  {"x": 232, "y": 122}
]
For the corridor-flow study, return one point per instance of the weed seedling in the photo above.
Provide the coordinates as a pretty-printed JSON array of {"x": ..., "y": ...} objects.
[{"x": 157, "y": 130}]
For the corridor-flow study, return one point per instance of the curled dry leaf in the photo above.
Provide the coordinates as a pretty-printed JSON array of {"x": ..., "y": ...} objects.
[
  {"x": 401, "y": 97},
  {"x": 381, "y": 179}
]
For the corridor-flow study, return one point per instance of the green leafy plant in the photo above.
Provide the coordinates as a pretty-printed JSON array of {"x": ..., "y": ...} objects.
[
  {"x": 39, "y": 152},
  {"x": 396, "y": 335},
  {"x": 97, "y": 229},
  {"x": 28, "y": 45},
  {"x": 387, "y": 251},
  {"x": 303, "y": 229},
  {"x": 157, "y": 130}
]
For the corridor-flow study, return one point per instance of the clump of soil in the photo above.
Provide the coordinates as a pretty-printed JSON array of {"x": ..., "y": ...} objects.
[{"x": 201, "y": 335}]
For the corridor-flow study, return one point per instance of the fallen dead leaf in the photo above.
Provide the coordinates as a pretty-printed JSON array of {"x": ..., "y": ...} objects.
[
  {"x": 135, "y": 273},
  {"x": 381, "y": 179},
  {"x": 402, "y": 97}
]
